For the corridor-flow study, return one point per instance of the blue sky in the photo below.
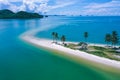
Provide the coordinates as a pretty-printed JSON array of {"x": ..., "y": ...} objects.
[{"x": 64, "y": 7}]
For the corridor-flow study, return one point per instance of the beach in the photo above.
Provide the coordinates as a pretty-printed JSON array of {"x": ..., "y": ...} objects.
[{"x": 46, "y": 43}]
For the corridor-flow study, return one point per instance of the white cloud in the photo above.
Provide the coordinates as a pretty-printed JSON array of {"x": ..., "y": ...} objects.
[
  {"x": 13, "y": 7},
  {"x": 109, "y": 8},
  {"x": 22, "y": 8},
  {"x": 62, "y": 5},
  {"x": 34, "y": 5},
  {"x": 103, "y": 9},
  {"x": 5, "y": 2},
  {"x": 42, "y": 6}
]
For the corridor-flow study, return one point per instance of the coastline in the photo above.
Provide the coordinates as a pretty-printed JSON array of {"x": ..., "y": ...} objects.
[{"x": 29, "y": 37}]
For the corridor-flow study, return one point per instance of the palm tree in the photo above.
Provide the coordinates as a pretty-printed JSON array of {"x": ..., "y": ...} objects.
[
  {"x": 115, "y": 38},
  {"x": 108, "y": 38},
  {"x": 63, "y": 39},
  {"x": 56, "y": 36},
  {"x": 53, "y": 35},
  {"x": 86, "y": 36}
]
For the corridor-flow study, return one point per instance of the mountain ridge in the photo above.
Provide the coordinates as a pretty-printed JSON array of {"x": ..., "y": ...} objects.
[{"x": 8, "y": 14}]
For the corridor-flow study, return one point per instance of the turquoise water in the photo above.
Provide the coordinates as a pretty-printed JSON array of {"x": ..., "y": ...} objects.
[
  {"x": 74, "y": 27},
  {"x": 22, "y": 61}
]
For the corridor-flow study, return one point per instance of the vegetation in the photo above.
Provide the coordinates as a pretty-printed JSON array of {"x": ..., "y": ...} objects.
[
  {"x": 63, "y": 38},
  {"x": 103, "y": 52},
  {"x": 98, "y": 53},
  {"x": 80, "y": 44},
  {"x": 100, "y": 48},
  {"x": 86, "y": 36},
  {"x": 72, "y": 46},
  {"x": 7, "y": 14},
  {"x": 56, "y": 37},
  {"x": 95, "y": 50},
  {"x": 113, "y": 38},
  {"x": 53, "y": 35},
  {"x": 108, "y": 38}
]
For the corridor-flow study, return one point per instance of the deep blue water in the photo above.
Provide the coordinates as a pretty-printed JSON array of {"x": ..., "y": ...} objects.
[{"x": 74, "y": 27}]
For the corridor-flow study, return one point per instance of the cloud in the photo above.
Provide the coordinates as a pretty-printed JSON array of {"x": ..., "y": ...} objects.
[
  {"x": 109, "y": 8},
  {"x": 75, "y": 7},
  {"x": 46, "y": 8},
  {"x": 5, "y": 2},
  {"x": 62, "y": 5},
  {"x": 40, "y": 6}
]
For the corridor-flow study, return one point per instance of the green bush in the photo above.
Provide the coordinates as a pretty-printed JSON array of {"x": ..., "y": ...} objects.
[
  {"x": 100, "y": 48},
  {"x": 98, "y": 53}
]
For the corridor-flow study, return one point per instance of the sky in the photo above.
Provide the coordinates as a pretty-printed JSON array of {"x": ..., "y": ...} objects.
[{"x": 64, "y": 7}]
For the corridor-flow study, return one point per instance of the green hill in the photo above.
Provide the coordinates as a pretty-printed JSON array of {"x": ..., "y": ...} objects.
[
  {"x": 4, "y": 14},
  {"x": 7, "y": 14}
]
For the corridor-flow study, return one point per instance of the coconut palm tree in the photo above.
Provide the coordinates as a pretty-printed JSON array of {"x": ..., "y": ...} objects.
[
  {"x": 86, "y": 36},
  {"x": 115, "y": 38},
  {"x": 63, "y": 38},
  {"x": 53, "y": 35},
  {"x": 56, "y": 37},
  {"x": 108, "y": 38}
]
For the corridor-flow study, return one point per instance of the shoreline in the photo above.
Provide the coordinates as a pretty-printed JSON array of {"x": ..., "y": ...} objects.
[{"x": 29, "y": 37}]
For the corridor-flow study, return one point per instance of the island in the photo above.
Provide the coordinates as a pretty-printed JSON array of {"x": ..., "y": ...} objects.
[
  {"x": 8, "y": 14},
  {"x": 99, "y": 54}
]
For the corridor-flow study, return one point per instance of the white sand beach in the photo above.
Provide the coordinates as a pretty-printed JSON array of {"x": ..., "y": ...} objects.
[{"x": 48, "y": 44}]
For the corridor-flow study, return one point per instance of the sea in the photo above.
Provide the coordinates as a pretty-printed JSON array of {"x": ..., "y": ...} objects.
[
  {"x": 74, "y": 28},
  {"x": 20, "y": 60}
]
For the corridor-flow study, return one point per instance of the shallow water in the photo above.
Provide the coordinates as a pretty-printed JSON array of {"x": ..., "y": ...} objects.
[{"x": 23, "y": 61}]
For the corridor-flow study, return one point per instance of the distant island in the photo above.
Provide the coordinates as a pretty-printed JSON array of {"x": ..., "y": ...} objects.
[{"x": 8, "y": 14}]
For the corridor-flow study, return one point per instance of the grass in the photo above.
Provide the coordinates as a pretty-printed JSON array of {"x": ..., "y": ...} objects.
[
  {"x": 72, "y": 46},
  {"x": 98, "y": 51},
  {"x": 100, "y": 48},
  {"x": 102, "y": 52}
]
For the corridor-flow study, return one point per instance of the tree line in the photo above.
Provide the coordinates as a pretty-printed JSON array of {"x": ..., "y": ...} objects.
[
  {"x": 56, "y": 37},
  {"x": 112, "y": 38}
]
